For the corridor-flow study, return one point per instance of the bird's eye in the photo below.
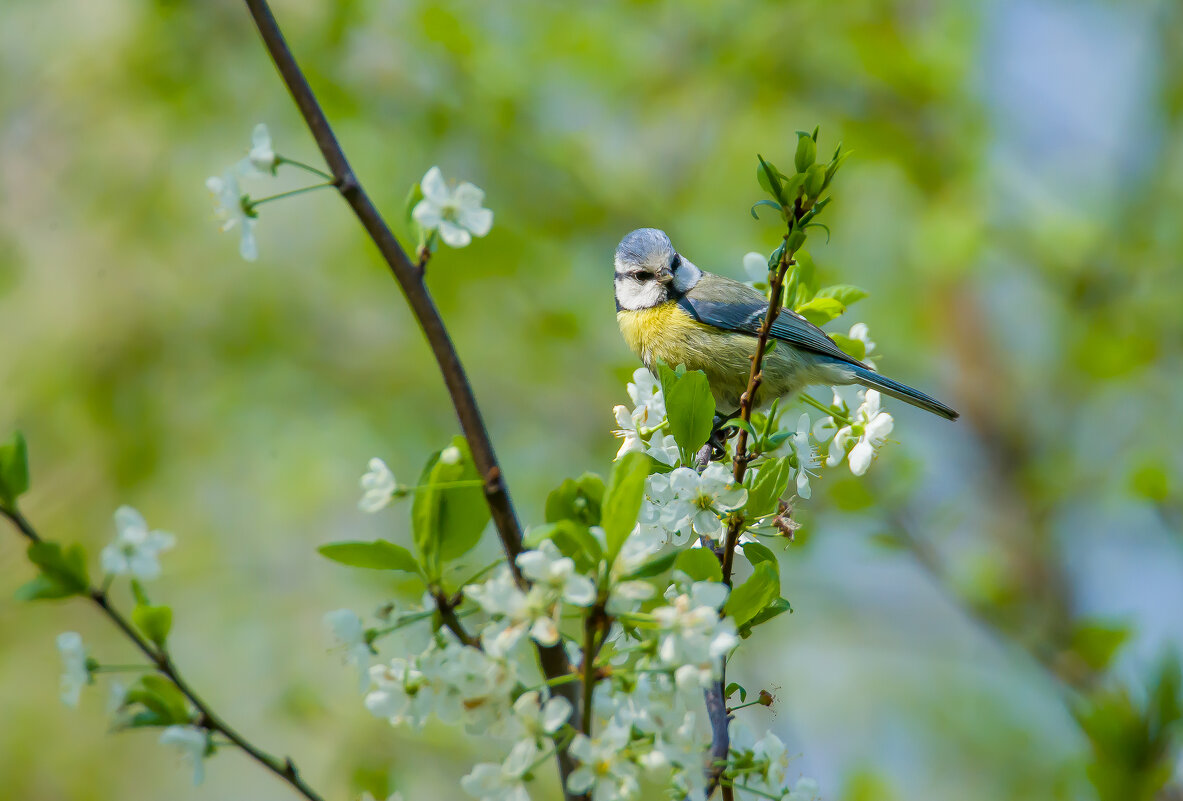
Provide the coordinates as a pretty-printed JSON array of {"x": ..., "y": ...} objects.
[
  {"x": 675, "y": 262},
  {"x": 643, "y": 275}
]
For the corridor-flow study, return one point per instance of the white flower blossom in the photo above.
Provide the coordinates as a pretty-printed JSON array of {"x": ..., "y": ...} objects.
[
  {"x": 505, "y": 781},
  {"x": 870, "y": 428},
  {"x": 692, "y": 631},
  {"x": 192, "y": 742},
  {"x": 350, "y": 634},
  {"x": 536, "y": 720},
  {"x": 773, "y": 758},
  {"x": 826, "y": 427},
  {"x": 605, "y": 772},
  {"x": 756, "y": 266},
  {"x": 516, "y": 612},
  {"x": 136, "y": 550},
  {"x": 231, "y": 208},
  {"x": 116, "y": 696},
  {"x": 698, "y": 499},
  {"x": 456, "y": 213},
  {"x": 641, "y": 428},
  {"x": 378, "y": 487},
  {"x": 860, "y": 332},
  {"x": 645, "y": 392},
  {"x": 262, "y": 156},
  {"x": 401, "y": 694},
  {"x": 548, "y": 567},
  {"x": 451, "y": 455},
  {"x": 805, "y": 789},
  {"x": 470, "y": 686},
  {"x": 75, "y": 673},
  {"x": 805, "y": 455}
]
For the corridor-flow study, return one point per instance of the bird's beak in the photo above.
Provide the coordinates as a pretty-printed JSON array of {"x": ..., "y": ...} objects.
[{"x": 664, "y": 276}]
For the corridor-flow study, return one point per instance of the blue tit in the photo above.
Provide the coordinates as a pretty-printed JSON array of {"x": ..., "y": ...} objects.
[{"x": 669, "y": 310}]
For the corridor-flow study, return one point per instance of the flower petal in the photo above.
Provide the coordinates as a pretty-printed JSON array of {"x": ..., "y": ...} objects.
[
  {"x": 453, "y": 235},
  {"x": 478, "y": 221},
  {"x": 434, "y": 188}
]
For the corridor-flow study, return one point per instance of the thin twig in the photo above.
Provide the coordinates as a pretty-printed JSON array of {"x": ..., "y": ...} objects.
[
  {"x": 409, "y": 276},
  {"x": 160, "y": 658},
  {"x": 748, "y": 400},
  {"x": 447, "y": 611}
]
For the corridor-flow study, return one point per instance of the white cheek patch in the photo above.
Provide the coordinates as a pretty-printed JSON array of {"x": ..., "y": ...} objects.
[{"x": 633, "y": 295}]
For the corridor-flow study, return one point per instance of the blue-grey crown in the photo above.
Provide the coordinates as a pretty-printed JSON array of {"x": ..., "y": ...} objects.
[{"x": 639, "y": 245}]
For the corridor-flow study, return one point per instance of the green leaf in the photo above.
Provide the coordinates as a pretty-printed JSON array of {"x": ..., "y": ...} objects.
[
  {"x": 43, "y": 588},
  {"x": 806, "y": 151},
  {"x": 805, "y": 273},
  {"x": 154, "y": 621},
  {"x": 732, "y": 688},
  {"x": 820, "y": 311},
  {"x": 655, "y": 566},
  {"x": 855, "y": 348},
  {"x": 622, "y": 501},
  {"x": 774, "y": 609},
  {"x": 576, "y": 499},
  {"x": 761, "y": 589},
  {"x": 700, "y": 564},
  {"x": 1097, "y": 642},
  {"x": 65, "y": 568},
  {"x": 165, "y": 703},
  {"x": 739, "y": 422},
  {"x": 376, "y": 555},
  {"x": 690, "y": 409},
  {"x": 846, "y": 294},
  {"x": 770, "y": 180},
  {"x": 572, "y": 539},
  {"x": 769, "y": 203},
  {"x": 413, "y": 197},
  {"x": 448, "y": 521},
  {"x": 758, "y": 553},
  {"x": 771, "y": 482},
  {"x": 14, "y": 470},
  {"x": 815, "y": 180}
]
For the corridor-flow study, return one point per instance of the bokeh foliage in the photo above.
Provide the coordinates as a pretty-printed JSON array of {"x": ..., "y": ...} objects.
[{"x": 1011, "y": 205}]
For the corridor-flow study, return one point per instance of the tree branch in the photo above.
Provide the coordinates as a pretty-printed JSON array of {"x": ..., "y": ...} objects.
[
  {"x": 748, "y": 400},
  {"x": 409, "y": 276},
  {"x": 160, "y": 658}
]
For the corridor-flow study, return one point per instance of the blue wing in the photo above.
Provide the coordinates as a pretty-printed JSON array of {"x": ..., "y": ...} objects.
[{"x": 732, "y": 306}]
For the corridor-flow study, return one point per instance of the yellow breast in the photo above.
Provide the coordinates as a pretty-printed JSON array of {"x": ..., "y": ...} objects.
[{"x": 657, "y": 331}]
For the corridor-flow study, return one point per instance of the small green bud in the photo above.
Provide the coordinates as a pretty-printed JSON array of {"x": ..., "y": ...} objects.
[
  {"x": 14, "y": 470},
  {"x": 155, "y": 621},
  {"x": 815, "y": 180},
  {"x": 806, "y": 151},
  {"x": 795, "y": 240},
  {"x": 766, "y": 698}
]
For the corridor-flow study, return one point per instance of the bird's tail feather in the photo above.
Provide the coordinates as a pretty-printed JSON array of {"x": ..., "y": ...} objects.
[{"x": 869, "y": 378}]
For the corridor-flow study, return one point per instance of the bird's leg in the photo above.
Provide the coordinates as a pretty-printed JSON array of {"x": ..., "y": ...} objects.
[{"x": 720, "y": 435}]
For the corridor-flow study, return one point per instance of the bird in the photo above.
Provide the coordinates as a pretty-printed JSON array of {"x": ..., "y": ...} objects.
[{"x": 670, "y": 311}]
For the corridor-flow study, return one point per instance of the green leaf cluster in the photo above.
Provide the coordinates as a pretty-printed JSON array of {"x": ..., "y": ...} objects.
[
  {"x": 62, "y": 573},
  {"x": 153, "y": 701}
]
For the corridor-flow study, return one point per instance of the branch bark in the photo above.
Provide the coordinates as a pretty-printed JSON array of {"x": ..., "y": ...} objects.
[
  {"x": 748, "y": 400},
  {"x": 162, "y": 661},
  {"x": 409, "y": 276}
]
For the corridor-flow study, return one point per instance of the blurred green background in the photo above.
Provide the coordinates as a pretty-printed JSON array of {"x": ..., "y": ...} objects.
[{"x": 1012, "y": 204}]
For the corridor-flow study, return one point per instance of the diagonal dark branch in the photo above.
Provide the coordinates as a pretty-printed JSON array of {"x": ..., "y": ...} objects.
[
  {"x": 160, "y": 659},
  {"x": 410, "y": 279}
]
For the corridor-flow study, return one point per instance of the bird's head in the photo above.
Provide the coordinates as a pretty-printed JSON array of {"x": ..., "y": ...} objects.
[{"x": 649, "y": 271}]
